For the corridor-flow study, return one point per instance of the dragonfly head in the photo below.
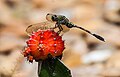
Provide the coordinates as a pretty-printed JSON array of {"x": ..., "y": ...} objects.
[{"x": 51, "y": 17}]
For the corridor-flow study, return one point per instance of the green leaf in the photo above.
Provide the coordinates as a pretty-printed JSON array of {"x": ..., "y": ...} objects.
[{"x": 53, "y": 67}]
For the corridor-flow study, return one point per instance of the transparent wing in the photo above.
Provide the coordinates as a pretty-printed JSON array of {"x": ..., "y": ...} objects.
[{"x": 43, "y": 26}]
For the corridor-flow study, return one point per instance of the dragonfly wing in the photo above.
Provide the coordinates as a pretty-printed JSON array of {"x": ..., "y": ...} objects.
[
  {"x": 65, "y": 28},
  {"x": 42, "y": 26}
]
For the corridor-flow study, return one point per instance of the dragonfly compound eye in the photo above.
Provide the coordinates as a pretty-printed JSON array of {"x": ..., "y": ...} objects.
[{"x": 54, "y": 18}]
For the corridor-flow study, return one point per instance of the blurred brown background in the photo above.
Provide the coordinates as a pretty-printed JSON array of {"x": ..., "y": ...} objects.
[{"x": 84, "y": 54}]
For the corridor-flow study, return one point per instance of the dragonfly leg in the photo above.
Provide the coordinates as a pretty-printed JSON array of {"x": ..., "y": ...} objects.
[{"x": 60, "y": 29}]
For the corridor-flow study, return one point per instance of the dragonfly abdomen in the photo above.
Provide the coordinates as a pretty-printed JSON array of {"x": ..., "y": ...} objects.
[{"x": 69, "y": 24}]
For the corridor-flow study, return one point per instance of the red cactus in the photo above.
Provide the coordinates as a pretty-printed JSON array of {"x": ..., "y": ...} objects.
[{"x": 42, "y": 43}]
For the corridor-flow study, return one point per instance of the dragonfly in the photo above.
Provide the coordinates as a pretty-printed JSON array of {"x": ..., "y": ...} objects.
[{"x": 58, "y": 21}]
